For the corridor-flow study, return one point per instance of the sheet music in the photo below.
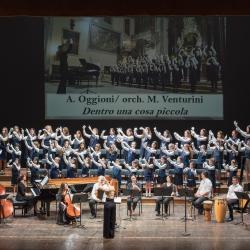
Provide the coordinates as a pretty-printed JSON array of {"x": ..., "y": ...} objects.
[
  {"x": 118, "y": 200},
  {"x": 44, "y": 181},
  {"x": 33, "y": 192}
]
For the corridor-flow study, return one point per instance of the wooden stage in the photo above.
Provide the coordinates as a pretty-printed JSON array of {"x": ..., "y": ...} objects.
[{"x": 147, "y": 232}]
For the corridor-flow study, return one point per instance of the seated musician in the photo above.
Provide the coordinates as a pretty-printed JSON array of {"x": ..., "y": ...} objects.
[
  {"x": 94, "y": 195},
  {"x": 203, "y": 193},
  {"x": 23, "y": 196},
  {"x": 232, "y": 199},
  {"x": 133, "y": 185},
  {"x": 165, "y": 200},
  {"x": 63, "y": 198}
]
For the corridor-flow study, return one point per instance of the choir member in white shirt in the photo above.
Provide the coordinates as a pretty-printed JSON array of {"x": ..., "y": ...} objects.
[
  {"x": 203, "y": 193},
  {"x": 201, "y": 138},
  {"x": 245, "y": 134},
  {"x": 231, "y": 196},
  {"x": 186, "y": 139}
]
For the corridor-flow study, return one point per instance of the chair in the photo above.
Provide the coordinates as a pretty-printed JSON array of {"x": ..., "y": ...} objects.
[
  {"x": 42, "y": 172},
  {"x": 171, "y": 171},
  {"x": 108, "y": 172},
  {"x": 125, "y": 175},
  {"x": 138, "y": 153},
  {"x": 158, "y": 153},
  {"x": 93, "y": 172},
  {"x": 127, "y": 192},
  {"x": 19, "y": 205},
  {"x": 103, "y": 152},
  {"x": 140, "y": 176},
  {"x": 156, "y": 173},
  {"x": 79, "y": 172},
  {"x": 64, "y": 173}
]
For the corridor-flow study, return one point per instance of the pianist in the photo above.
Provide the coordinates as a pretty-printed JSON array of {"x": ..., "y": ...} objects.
[{"x": 23, "y": 196}]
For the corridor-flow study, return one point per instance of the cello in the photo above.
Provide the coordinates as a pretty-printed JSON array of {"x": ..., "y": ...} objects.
[
  {"x": 72, "y": 210},
  {"x": 6, "y": 206}
]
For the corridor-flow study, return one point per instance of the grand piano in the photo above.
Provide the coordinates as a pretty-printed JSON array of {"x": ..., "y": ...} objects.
[
  {"x": 47, "y": 193},
  {"x": 78, "y": 72}
]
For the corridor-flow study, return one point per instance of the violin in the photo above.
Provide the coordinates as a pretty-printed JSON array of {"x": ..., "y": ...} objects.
[
  {"x": 6, "y": 205},
  {"x": 72, "y": 210},
  {"x": 113, "y": 182}
]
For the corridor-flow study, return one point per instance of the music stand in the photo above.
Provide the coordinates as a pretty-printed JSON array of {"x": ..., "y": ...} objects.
[
  {"x": 79, "y": 198},
  {"x": 185, "y": 233},
  {"x": 2, "y": 197},
  {"x": 84, "y": 64},
  {"x": 163, "y": 192},
  {"x": 246, "y": 186},
  {"x": 241, "y": 197},
  {"x": 190, "y": 194},
  {"x": 132, "y": 194}
]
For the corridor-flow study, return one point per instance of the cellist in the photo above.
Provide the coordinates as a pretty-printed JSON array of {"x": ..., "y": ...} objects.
[{"x": 68, "y": 212}]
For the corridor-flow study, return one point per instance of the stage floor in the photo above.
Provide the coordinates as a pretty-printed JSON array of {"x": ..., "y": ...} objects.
[{"x": 147, "y": 232}]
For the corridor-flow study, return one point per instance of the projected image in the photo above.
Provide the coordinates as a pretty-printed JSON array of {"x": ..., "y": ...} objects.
[{"x": 166, "y": 66}]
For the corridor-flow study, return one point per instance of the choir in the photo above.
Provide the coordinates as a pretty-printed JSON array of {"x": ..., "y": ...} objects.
[
  {"x": 139, "y": 151},
  {"x": 163, "y": 70}
]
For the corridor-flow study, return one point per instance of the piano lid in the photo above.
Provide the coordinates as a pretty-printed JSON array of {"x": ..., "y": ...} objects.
[{"x": 89, "y": 66}]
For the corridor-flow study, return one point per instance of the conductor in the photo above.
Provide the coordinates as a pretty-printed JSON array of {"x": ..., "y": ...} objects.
[{"x": 62, "y": 55}]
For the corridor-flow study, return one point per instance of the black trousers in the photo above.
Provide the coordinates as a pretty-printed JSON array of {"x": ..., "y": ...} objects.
[
  {"x": 92, "y": 203},
  {"x": 230, "y": 204},
  {"x": 165, "y": 201},
  {"x": 109, "y": 219}
]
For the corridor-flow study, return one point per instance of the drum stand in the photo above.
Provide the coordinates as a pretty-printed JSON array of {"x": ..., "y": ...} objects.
[{"x": 242, "y": 197}]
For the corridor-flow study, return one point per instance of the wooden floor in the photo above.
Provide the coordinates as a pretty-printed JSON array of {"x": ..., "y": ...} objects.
[{"x": 147, "y": 232}]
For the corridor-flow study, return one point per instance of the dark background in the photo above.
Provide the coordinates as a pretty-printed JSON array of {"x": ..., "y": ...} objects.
[{"x": 22, "y": 85}]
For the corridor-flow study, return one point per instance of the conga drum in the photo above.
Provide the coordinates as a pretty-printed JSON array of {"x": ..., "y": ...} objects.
[
  {"x": 220, "y": 208},
  {"x": 207, "y": 205}
]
